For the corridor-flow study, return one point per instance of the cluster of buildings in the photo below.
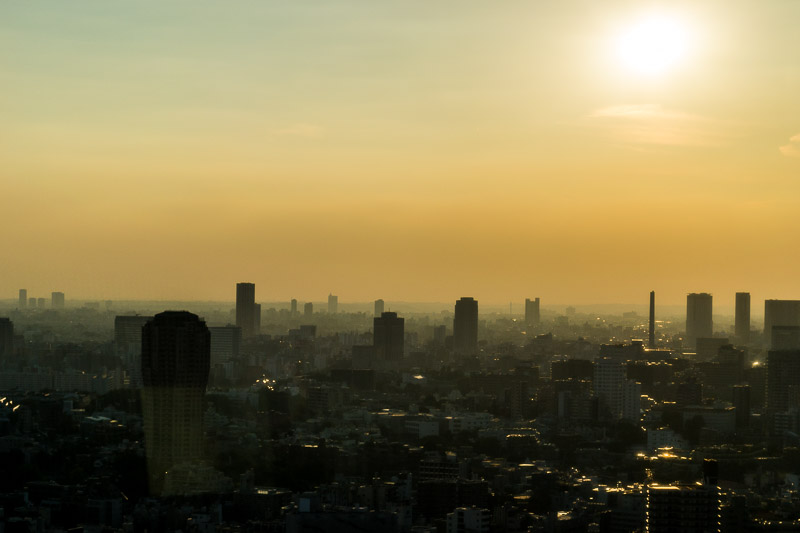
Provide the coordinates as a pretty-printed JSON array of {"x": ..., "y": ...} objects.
[
  {"x": 56, "y": 301},
  {"x": 552, "y": 424}
]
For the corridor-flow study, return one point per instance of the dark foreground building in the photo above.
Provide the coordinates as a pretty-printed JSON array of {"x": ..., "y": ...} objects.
[{"x": 176, "y": 354}]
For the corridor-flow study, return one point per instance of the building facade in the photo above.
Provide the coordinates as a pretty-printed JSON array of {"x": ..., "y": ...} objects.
[
  {"x": 176, "y": 355},
  {"x": 465, "y": 327}
]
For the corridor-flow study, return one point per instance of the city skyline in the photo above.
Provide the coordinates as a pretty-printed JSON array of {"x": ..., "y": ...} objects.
[
  {"x": 400, "y": 266},
  {"x": 491, "y": 151},
  {"x": 725, "y": 305}
]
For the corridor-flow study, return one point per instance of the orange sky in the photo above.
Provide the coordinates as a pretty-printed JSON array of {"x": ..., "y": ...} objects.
[{"x": 407, "y": 151}]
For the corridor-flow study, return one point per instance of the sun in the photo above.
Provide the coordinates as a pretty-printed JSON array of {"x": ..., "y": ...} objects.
[{"x": 653, "y": 45}]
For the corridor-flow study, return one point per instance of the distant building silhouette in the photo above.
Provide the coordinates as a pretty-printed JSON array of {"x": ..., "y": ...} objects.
[
  {"x": 333, "y": 304},
  {"x": 308, "y": 310},
  {"x": 57, "y": 300},
  {"x": 256, "y": 319},
  {"x": 41, "y": 303},
  {"x": 532, "y": 316},
  {"x": 651, "y": 330},
  {"x": 698, "y": 317},
  {"x": 465, "y": 326},
  {"x": 780, "y": 313},
  {"x": 742, "y": 321},
  {"x": 389, "y": 337},
  {"x": 128, "y": 343},
  {"x": 175, "y": 366},
  {"x": 378, "y": 307},
  {"x": 32, "y": 303},
  {"x": 439, "y": 335},
  {"x": 23, "y": 298},
  {"x": 608, "y": 382},
  {"x": 293, "y": 307},
  {"x": 225, "y": 343},
  {"x": 246, "y": 308}
]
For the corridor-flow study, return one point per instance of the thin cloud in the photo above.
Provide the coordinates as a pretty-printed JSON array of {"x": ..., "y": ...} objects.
[
  {"x": 792, "y": 149},
  {"x": 301, "y": 130},
  {"x": 654, "y": 125}
]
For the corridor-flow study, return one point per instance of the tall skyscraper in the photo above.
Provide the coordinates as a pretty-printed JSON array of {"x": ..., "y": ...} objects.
[
  {"x": 175, "y": 366},
  {"x": 698, "y": 317},
  {"x": 378, "y": 307},
  {"x": 308, "y": 310},
  {"x": 651, "y": 335},
  {"x": 293, "y": 307},
  {"x": 532, "y": 317},
  {"x": 333, "y": 304},
  {"x": 57, "y": 300},
  {"x": 780, "y": 313},
  {"x": 246, "y": 308},
  {"x": 465, "y": 327},
  {"x": 41, "y": 303},
  {"x": 32, "y": 303},
  {"x": 388, "y": 337},
  {"x": 742, "y": 324},
  {"x": 23, "y": 298}
]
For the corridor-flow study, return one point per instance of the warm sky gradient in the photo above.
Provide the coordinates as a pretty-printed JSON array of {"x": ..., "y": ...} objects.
[{"x": 412, "y": 150}]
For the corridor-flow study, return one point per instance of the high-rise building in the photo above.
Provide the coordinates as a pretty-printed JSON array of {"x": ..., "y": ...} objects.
[
  {"x": 32, "y": 303},
  {"x": 741, "y": 402},
  {"x": 783, "y": 371},
  {"x": 651, "y": 331},
  {"x": 608, "y": 383},
  {"x": 175, "y": 366},
  {"x": 41, "y": 303},
  {"x": 308, "y": 309},
  {"x": 293, "y": 307},
  {"x": 780, "y": 313},
  {"x": 225, "y": 342},
  {"x": 6, "y": 337},
  {"x": 465, "y": 327},
  {"x": 742, "y": 321},
  {"x": 388, "y": 337},
  {"x": 256, "y": 319},
  {"x": 698, "y": 317},
  {"x": 631, "y": 400},
  {"x": 246, "y": 308},
  {"x": 532, "y": 316},
  {"x": 57, "y": 300},
  {"x": 785, "y": 338},
  {"x": 23, "y": 298},
  {"x": 333, "y": 304},
  {"x": 378, "y": 307}
]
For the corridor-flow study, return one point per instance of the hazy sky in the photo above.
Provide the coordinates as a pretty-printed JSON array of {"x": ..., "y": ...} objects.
[{"x": 410, "y": 150}]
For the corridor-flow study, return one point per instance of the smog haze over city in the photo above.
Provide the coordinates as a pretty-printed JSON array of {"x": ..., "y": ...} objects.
[
  {"x": 404, "y": 267},
  {"x": 416, "y": 151}
]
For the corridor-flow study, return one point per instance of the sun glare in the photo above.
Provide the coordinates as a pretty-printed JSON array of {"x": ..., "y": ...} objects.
[{"x": 653, "y": 45}]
